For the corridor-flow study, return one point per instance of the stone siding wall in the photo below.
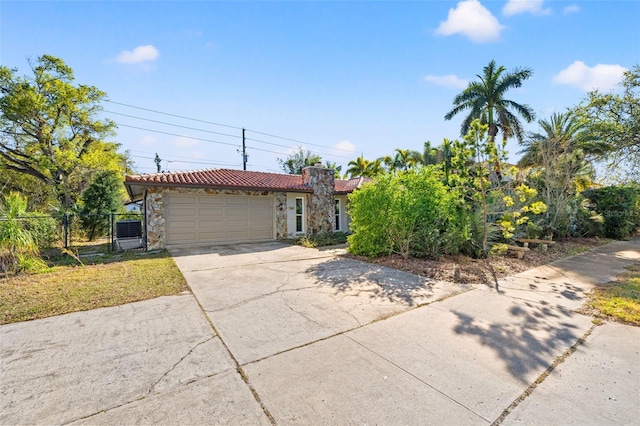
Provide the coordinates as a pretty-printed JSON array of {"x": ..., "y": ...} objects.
[
  {"x": 321, "y": 207},
  {"x": 156, "y": 208}
]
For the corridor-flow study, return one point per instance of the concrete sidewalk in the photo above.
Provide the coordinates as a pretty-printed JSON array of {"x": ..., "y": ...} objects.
[
  {"x": 466, "y": 359},
  {"x": 277, "y": 333}
]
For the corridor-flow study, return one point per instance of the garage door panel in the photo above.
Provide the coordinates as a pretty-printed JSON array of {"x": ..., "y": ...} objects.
[
  {"x": 211, "y": 211},
  {"x": 183, "y": 199},
  {"x": 237, "y": 201},
  {"x": 207, "y": 236},
  {"x": 181, "y": 225},
  {"x": 237, "y": 212},
  {"x": 218, "y": 218},
  {"x": 211, "y": 201},
  {"x": 180, "y": 211}
]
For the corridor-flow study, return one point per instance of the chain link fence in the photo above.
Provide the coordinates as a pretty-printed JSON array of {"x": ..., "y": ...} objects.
[{"x": 124, "y": 231}]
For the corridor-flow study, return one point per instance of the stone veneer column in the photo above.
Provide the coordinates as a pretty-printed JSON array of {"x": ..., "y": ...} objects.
[
  {"x": 321, "y": 206},
  {"x": 155, "y": 219}
]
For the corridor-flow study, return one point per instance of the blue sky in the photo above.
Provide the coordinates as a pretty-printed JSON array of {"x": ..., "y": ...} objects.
[{"x": 340, "y": 78}]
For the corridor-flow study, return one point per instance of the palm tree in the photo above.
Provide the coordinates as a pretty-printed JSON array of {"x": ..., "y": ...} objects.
[
  {"x": 485, "y": 100},
  {"x": 364, "y": 168},
  {"x": 403, "y": 160},
  {"x": 557, "y": 156},
  {"x": 562, "y": 134}
]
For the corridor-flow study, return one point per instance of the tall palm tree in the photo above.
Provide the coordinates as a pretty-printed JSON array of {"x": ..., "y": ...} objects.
[{"x": 485, "y": 100}]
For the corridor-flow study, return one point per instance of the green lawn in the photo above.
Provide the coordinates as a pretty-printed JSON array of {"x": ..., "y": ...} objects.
[
  {"x": 620, "y": 299},
  {"x": 103, "y": 279}
]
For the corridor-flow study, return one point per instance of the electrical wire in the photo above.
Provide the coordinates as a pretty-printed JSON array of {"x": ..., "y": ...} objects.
[
  {"x": 173, "y": 115},
  {"x": 232, "y": 127},
  {"x": 172, "y": 124},
  {"x": 181, "y": 136}
]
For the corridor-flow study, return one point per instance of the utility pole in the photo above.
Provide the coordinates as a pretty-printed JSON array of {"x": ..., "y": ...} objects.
[{"x": 244, "y": 152}]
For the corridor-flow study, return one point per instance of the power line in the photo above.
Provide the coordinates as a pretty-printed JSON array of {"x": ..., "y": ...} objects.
[
  {"x": 181, "y": 136},
  {"x": 298, "y": 141},
  {"x": 187, "y": 162},
  {"x": 172, "y": 124},
  {"x": 174, "y": 115},
  {"x": 287, "y": 146},
  {"x": 232, "y": 127}
]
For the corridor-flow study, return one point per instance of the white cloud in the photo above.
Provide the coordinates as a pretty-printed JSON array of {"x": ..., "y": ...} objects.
[
  {"x": 572, "y": 8},
  {"x": 601, "y": 76},
  {"x": 450, "y": 80},
  {"x": 183, "y": 142},
  {"x": 344, "y": 147},
  {"x": 471, "y": 19},
  {"x": 139, "y": 54},
  {"x": 515, "y": 7}
]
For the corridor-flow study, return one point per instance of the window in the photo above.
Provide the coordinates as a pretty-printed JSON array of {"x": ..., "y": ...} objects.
[
  {"x": 337, "y": 213},
  {"x": 299, "y": 215}
]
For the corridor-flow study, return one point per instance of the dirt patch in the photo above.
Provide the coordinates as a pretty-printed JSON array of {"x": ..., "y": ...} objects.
[{"x": 465, "y": 270}]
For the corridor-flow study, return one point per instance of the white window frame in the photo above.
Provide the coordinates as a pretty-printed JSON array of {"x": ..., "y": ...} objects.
[
  {"x": 338, "y": 215},
  {"x": 301, "y": 215}
]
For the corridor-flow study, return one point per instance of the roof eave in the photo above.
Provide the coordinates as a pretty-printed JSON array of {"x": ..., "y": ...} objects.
[{"x": 131, "y": 184}]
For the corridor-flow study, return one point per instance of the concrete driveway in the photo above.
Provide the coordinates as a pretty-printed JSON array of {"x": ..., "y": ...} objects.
[
  {"x": 282, "y": 334},
  {"x": 264, "y": 299}
]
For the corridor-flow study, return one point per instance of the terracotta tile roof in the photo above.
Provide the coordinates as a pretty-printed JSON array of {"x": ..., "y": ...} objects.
[
  {"x": 235, "y": 179},
  {"x": 222, "y": 178},
  {"x": 348, "y": 186}
]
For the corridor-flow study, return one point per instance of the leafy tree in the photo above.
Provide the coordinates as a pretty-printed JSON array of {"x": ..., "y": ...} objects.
[
  {"x": 297, "y": 161},
  {"x": 49, "y": 129},
  {"x": 101, "y": 198},
  {"x": 614, "y": 121},
  {"x": 559, "y": 168},
  {"x": 492, "y": 201},
  {"x": 486, "y": 101}
]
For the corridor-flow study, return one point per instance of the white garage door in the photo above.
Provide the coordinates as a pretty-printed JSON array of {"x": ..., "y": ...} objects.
[{"x": 193, "y": 219}]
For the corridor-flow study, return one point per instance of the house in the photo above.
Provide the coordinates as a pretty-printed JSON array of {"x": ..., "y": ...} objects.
[{"x": 223, "y": 205}]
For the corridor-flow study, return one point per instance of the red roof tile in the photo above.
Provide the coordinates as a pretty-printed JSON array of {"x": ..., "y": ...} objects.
[{"x": 235, "y": 179}]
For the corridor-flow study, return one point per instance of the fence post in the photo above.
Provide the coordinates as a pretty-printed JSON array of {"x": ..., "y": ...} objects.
[
  {"x": 65, "y": 230},
  {"x": 112, "y": 217}
]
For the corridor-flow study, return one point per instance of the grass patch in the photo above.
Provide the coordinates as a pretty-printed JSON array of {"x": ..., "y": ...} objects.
[
  {"x": 620, "y": 300},
  {"x": 103, "y": 279},
  {"x": 322, "y": 240}
]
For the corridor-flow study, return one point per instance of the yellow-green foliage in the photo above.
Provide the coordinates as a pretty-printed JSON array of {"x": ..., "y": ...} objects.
[{"x": 410, "y": 213}]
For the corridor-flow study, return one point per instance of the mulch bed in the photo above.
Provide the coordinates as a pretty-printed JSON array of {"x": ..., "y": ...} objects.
[{"x": 465, "y": 270}]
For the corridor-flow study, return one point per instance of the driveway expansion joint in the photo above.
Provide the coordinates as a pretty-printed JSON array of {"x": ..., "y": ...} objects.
[
  {"x": 559, "y": 360},
  {"x": 239, "y": 369}
]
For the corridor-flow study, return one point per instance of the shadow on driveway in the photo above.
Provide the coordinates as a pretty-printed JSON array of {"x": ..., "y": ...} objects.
[
  {"x": 382, "y": 283},
  {"x": 529, "y": 341}
]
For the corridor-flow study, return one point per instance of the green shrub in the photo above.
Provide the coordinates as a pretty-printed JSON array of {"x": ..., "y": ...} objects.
[
  {"x": 619, "y": 207},
  {"x": 412, "y": 213},
  {"x": 43, "y": 229},
  {"x": 322, "y": 239},
  {"x": 18, "y": 248}
]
